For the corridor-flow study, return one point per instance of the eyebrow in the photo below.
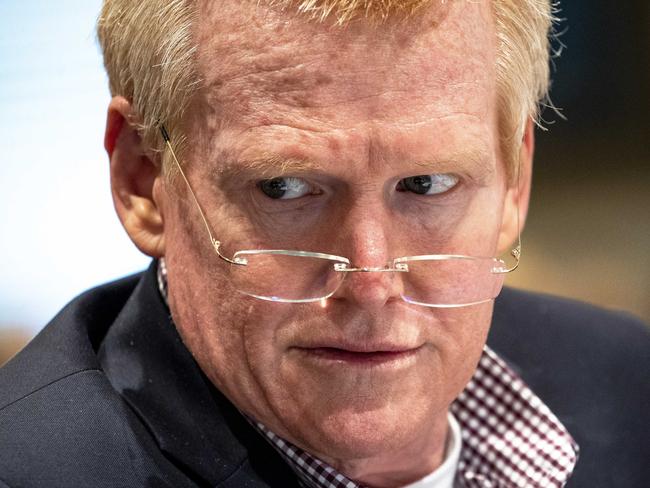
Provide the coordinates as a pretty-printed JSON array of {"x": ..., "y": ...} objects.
[
  {"x": 272, "y": 165},
  {"x": 474, "y": 159},
  {"x": 264, "y": 166}
]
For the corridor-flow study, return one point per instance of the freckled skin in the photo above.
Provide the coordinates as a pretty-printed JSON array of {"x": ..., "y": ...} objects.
[{"x": 367, "y": 104}]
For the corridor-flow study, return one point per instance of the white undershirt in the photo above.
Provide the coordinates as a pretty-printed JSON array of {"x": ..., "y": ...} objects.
[{"x": 443, "y": 476}]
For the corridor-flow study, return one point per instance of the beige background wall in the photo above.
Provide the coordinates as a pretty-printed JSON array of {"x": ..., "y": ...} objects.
[{"x": 588, "y": 232}]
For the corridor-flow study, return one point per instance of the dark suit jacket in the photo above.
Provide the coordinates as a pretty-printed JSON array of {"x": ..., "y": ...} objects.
[{"x": 107, "y": 396}]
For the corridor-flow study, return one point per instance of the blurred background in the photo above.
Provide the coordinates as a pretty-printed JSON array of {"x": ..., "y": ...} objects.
[{"x": 588, "y": 231}]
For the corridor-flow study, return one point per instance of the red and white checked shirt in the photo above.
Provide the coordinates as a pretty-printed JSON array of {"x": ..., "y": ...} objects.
[{"x": 510, "y": 438}]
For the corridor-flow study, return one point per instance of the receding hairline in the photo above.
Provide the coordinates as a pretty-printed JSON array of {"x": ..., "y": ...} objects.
[{"x": 345, "y": 11}]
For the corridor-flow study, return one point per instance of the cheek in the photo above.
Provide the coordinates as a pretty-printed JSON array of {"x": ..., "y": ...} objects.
[
  {"x": 465, "y": 332},
  {"x": 478, "y": 231},
  {"x": 231, "y": 336}
]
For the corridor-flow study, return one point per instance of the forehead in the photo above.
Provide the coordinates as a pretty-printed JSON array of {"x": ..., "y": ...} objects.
[{"x": 261, "y": 67}]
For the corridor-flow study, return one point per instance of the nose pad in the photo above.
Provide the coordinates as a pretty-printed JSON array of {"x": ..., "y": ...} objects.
[
  {"x": 366, "y": 243},
  {"x": 371, "y": 287}
]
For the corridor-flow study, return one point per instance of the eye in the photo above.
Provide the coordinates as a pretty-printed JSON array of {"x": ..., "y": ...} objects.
[
  {"x": 285, "y": 188},
  {"x": 432, "y": 184}
]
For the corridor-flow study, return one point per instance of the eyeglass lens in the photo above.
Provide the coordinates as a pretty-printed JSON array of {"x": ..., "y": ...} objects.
[{"x": 430, "y": 282}]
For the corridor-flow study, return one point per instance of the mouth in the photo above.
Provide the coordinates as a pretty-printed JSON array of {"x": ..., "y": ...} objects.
[{"x": 360, "y": 358}]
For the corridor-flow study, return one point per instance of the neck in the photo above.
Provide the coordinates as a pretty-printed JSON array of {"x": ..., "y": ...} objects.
[{"x": 399, "y": 467}]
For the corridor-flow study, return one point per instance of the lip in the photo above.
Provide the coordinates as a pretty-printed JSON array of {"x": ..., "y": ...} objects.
[{"x": 361, "y": 355}]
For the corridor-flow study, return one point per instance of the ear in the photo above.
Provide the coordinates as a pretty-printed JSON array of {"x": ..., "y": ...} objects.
[
  {"x": 518, "y": 193},
  {"x": 135, "y": 180}
]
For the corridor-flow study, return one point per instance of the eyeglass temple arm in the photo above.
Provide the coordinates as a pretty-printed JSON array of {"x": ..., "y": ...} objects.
[{"x": 215, "y": 243}]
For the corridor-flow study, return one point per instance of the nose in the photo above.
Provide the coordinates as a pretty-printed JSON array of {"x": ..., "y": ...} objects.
[{"x": 370, "y": 284}]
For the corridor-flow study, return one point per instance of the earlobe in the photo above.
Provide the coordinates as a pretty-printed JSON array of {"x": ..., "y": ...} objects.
[
  {"x": 517, "y": 197},
  {"x": 136, "y": 181}
]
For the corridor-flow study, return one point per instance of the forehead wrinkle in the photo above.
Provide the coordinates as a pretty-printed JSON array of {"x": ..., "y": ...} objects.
[
  {"x": 257, "y": 52},
  {"x": 304, "y": 85},
  {"x": 267, "y": 73},
  {"x": 253, "y": 49}
]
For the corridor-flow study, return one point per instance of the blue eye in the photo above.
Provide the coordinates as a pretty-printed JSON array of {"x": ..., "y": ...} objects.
[
  {"x": 285, "y": 188},
  {"x": 432, "y": 184}
]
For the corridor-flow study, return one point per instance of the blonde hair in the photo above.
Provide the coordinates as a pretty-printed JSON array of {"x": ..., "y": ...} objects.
[{"x": 149, "y": 56}]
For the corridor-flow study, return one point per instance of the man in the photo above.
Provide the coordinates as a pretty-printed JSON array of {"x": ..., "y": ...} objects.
[{"x": 324, "y": 186}]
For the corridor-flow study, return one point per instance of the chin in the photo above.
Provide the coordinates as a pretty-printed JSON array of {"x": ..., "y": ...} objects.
[
  {"x": 347, "y": 411},
  {"x": 364, "y": 428}
]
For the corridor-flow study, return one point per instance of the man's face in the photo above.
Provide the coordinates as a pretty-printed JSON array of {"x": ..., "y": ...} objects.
[{"x": 348, "y": 114}]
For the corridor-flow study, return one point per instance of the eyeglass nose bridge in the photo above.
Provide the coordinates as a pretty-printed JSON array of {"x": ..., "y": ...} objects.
[{"x": 397, "y": 268}]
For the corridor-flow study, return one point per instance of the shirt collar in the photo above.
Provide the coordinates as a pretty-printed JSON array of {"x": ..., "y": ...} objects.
[
  {"x": 444, "y": 476},
  {"x": 510, "y": 437},
  {"x": 314, "y": 473}
]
